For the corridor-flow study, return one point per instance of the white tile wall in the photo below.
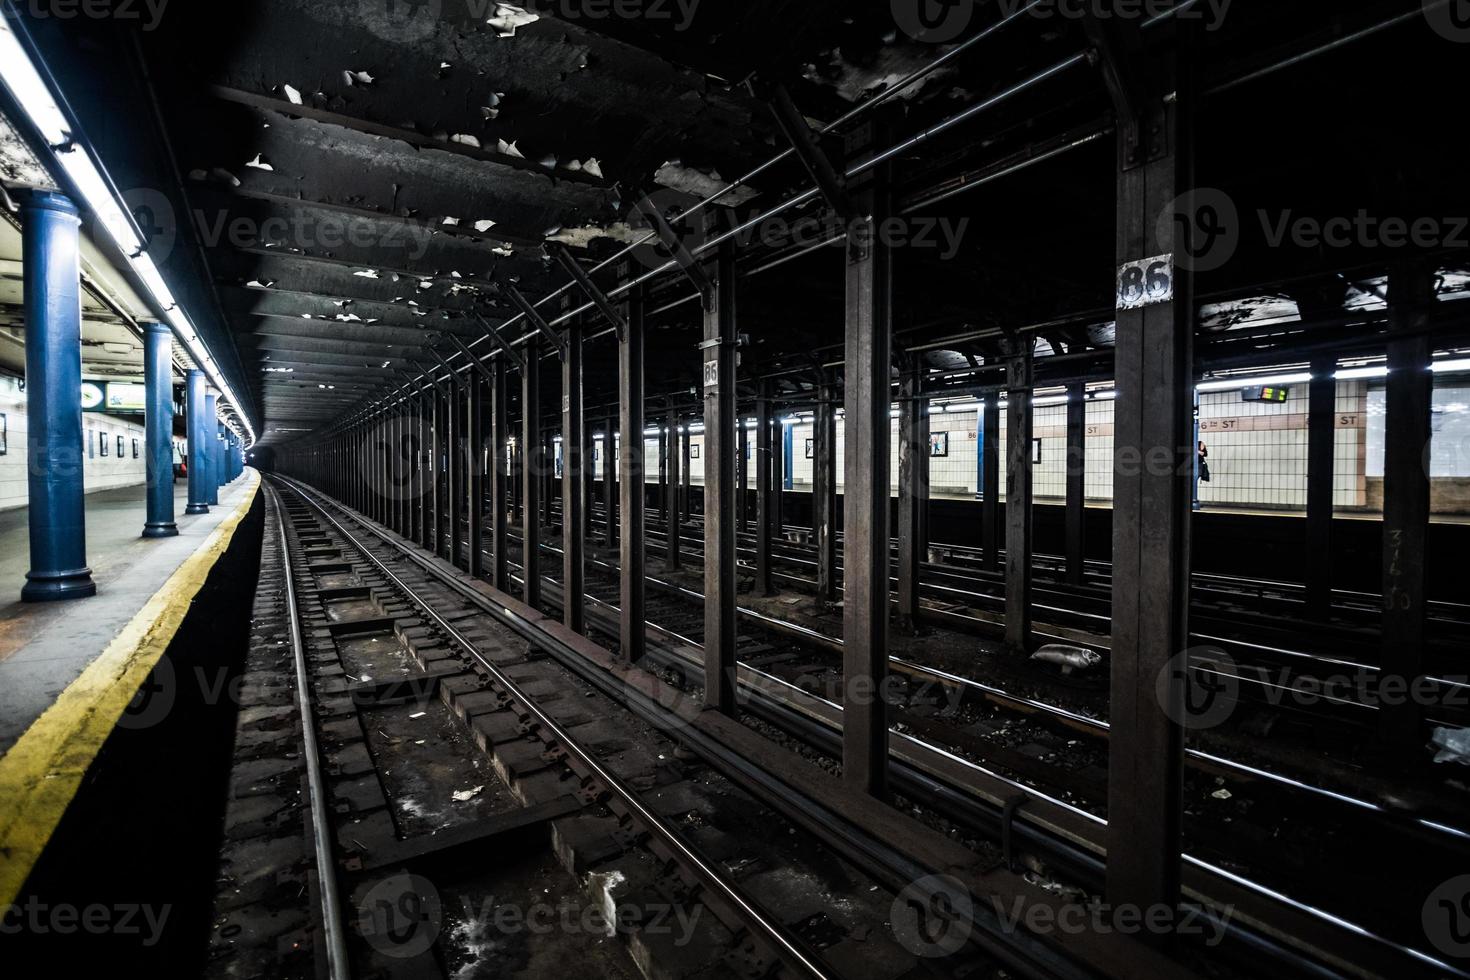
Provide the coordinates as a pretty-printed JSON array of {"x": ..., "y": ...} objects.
[
  {"x": 1258, "y": 452},
  {"x": 98, "y": 473}
]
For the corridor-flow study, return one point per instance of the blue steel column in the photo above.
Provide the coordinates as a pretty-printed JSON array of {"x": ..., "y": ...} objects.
[
  {"x": 198, "y": 446},
  {"x": 158, "y": 378},
  {"x": 210, "y": 435},
  {"x": 53, "y": 317}
]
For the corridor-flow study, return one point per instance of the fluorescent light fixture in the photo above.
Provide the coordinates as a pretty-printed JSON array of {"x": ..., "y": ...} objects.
[
  {"x": 29, "y": 90},
  {"x": 1450, "y": 367},
  {"x": 1352, "y": 374},
  {"x": 1237, "y": 383}
]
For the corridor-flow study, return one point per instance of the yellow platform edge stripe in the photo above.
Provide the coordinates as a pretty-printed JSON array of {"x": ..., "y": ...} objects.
[{"x": 42, "y": 772}]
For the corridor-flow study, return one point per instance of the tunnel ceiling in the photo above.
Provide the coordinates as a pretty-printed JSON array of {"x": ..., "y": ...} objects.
[{"x": 363, "y": 182}]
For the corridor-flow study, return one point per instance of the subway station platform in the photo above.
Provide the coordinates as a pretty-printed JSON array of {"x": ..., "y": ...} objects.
[{"x": 68, "y": 670}]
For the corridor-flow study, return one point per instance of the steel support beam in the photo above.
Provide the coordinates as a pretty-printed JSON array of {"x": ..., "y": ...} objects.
[
  {"x": 990, "y": 481},
  {"x": 742, "y": 474},
  {"x": 632, "y": 639},
  {"x": 763, "y": 488},
  {"x": 211, "y": 453},
  {"x": 719, "y": 351},
  {"x": 549, "y": 489},
  {"x": 1076, "y": 514},
  {"x": 500, "y": 504},
  {"x": 574, "y": 485},
  {"x": 1020, "y": 426},
  {"x": 778, "y": 473},
  {"x": 441, "y": 451},
  {"x": 674, "y": 523},
  {"x": 1153, "y": 467},
  {"x": 664, "y": 441},
  {"x": 1321, "y": 455},
  {"x": 1409, "y": 410},
  {"x": 532, "y": 465},
  {"x": 868, "y": 371},
  {"x": 426, "y": 469},
  {"x": 913, "y": 491},
  {"x": 824, "y": 492},
  {"x": 56, "y": 515},
  {"x": 609, "y": 482},
  {"x": 455, "y": 463},
  {"x": 159, "y": 383},
  {"x": 475, "y": 453}
]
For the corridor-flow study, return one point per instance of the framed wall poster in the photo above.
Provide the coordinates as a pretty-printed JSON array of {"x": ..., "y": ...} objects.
[
  {"x": 4, "y": 435},
  {"x": 939, "y": 444},
  {"x": 811, "y": 449},
  {"x": 102, "y": 442},
  {"x": 121, "y": 446},
  {"x": 91, "y": 444},
  {"x": 693, "y": 451},
  {"x": 135, "y": 449},
  {"x": 1035, "y": 451}
]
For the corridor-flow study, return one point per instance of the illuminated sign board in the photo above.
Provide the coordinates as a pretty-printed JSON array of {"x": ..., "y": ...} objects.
[
  {"x": 1275, "y": 396},
  {"x": 125, "y": 396},
  {"x": 121, "y": 397}
]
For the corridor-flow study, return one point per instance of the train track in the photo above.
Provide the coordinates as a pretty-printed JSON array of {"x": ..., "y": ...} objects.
[
  {"x": 383, "y": 650},
  {"x": 947, "y": 784},
  {"x": 1335, "y": 822},
  {"x": 467, "y": 653}
]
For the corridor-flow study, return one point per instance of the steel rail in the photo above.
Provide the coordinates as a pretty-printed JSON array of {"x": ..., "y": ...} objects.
[
  {"x": 1031, "y": 956},
  {"x": 598, "y": 676},
  {"x": 1097, "y": 727},
  {"x": 339, "y": 966},
  {"x": 788, "y": 947},
  {"x": 790, "y": 706}
]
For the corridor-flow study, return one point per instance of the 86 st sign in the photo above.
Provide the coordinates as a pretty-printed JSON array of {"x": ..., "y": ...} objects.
[{"x": 1146, "y": 282}]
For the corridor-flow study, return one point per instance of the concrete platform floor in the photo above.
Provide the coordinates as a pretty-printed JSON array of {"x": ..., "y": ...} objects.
[{"x": 46, "y": 646}]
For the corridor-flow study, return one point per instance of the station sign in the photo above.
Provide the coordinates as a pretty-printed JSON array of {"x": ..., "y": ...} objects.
[{"x": 117, "y": 397}]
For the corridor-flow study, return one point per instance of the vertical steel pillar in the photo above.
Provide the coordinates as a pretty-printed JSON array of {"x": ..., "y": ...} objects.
[
  {"x": 990, "y": 481},
  {"x": 573, "y": 485},
  {"x": 1153, "y": 462},
  {"x": 742, "y": 474},
  {"x": 686, "y": 497},
  {"x": 913, "y": 490},
  {"x": 824, "y": 492},
  {"x": 780, "y": 447},
  {"x": 403, "y": 465},
  {"x": 589, "y": 475},
  {"x": 1321, "y": 454},
  {"x": 531, "y": 478},
  {"x": 475, "y": 450},
  {"x": 1020, "y": 426},
  {"x": 868, "y": 370},
  {"x": 609, "y": 483},
  {"x": 158, "y": 379},
  {"x": 674, "y": 524},
  {"x": 51, "y": 273},
  {"x": 664, "y": 440},
  {"x": 720, "y": 421},
  {"x": 1076, "y": 482},
  {"x": 763, "y": 476},
  {"x": 211, "y": 452},
  {"x": 427, "y": 469},
  {"x": 631, "y": 635},
  {"x": 455, "y": 459},
  {"x": 500, "y": 475},
  {"x": 436, "y": 469},
  {"x": 1406, "y": 499}
]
